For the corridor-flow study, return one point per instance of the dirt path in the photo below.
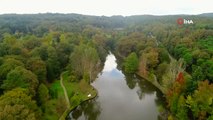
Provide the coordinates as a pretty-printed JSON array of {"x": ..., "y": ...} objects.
[{"x": 65, "y": 92}]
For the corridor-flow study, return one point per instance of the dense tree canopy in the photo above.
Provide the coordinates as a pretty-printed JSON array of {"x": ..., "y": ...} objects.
[
  {"x": 17, "y": 104},
  {"x": 20, "y": 77},
  {"x": 36, "y": 49}
]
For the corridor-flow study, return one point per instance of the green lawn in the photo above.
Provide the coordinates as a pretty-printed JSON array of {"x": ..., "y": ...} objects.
[
  {"x": 51, "y": 112},
  {"x": 77, "y": 91},
  {"x": 57, "y": 86}
]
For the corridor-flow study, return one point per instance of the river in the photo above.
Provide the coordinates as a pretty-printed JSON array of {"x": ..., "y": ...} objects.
[{"x": 120, "y": 97}]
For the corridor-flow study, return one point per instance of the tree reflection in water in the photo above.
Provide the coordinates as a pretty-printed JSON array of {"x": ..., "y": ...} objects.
[
  {"x": 121, "y": 96},
  {"x": 145, "y": 88},
  {"x": 130, "y": 80},
  {"x": 90, "y": 110}
]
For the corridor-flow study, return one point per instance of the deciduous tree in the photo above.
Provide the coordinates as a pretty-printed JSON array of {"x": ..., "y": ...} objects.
[
  {"x": 131, "y": 63},
  {"x": 20, "y": 77},
  {"x": 17, "y": 104}
]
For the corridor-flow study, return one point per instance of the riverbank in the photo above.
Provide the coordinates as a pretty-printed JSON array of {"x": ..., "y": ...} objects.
[
  {"x": 164, "y": 113},
  {"x": 77, "y": 93},
  {"x": 154, "y": 82},
  {"x": 120, "y": 97},
  {"x": 152, "y": 79}
]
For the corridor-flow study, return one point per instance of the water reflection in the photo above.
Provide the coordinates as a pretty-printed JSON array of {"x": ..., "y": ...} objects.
[
  {"x": 120, "y": 97},
  {"x": 110, "y": 63},
  {"x": 89, "y": 110},
  {"x": 130, "y": 81}
]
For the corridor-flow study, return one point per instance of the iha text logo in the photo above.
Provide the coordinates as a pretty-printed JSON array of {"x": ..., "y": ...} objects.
[{"x": 181, "y": 21}]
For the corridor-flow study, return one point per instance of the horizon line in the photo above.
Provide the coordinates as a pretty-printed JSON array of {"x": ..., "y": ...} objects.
[{"x": 104, "y": 15}]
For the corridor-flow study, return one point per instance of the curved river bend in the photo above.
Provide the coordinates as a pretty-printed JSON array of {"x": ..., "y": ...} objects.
[{"x": 120, "y": 97}]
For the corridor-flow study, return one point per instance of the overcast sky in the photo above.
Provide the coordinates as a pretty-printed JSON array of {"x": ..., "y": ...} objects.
[{"x": 107, "y": 7}]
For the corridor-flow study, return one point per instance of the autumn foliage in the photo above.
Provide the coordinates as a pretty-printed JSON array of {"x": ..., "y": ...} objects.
[{"x": 180, "y": 78}]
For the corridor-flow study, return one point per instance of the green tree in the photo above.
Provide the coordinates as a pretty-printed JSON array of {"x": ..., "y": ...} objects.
[
  {"x": 18, "y": 105},
  {"x": 197, "y": 73},
  {"x": 64, "y": 50},
  {"x": 163, "y": 56},
  {"x": 52, "y": 63},
  {"x": 182, "y": 109},
  {"x": 133, "y": 42},
  {"x": 84, "y": 60},
  {"x": 76, "y": 59},
  {"x": 43, "y": 94},
  {"x": 188, "y": 58},
  {"x": 20, "y": 77},
  {"x": 131, "y": 63},
  {"x": 207, "y": 67},
  {"x": 30, "y": 42},
  {"x": 151, "y": 55},
  {"x": 4, "y": 49},
  {"x": 161, "y": 69},
  {"x": 40, "y": 52},
  {"x": 8, "y": 65},
  {"x": 200, "y": 103},
  {"x": 38, "y": 67}
]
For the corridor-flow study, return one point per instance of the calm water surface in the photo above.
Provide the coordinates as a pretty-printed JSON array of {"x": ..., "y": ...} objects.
[{"x": 120, "y": 97}]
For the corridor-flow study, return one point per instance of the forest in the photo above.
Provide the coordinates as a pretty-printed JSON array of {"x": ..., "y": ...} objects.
[{"x": 41, "y": 54}]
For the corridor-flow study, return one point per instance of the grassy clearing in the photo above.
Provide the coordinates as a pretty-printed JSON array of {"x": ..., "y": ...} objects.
[
  {"x": 57, "y": 86},
  {"x": 77, "y": 91},
  {"x": 55, "y": 106}
]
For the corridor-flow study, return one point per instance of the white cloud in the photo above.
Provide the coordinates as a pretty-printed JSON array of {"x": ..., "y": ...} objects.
[{"x": 107, "y": 7}]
